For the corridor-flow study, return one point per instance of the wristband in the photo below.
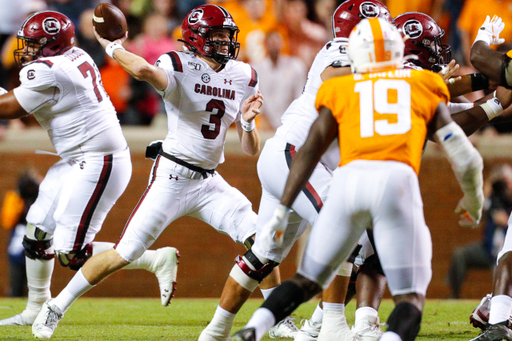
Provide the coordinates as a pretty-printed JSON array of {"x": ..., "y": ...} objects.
[
  {"x": 492, "y": 108},
  {"x": 247, "y": 126},
  {"x": 109, "y": 50},
  {"x": 479, "y": 82}
]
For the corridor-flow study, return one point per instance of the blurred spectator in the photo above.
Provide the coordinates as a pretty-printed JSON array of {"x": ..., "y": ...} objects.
[
  {"x": 72, "y": 8},
  {"x": 482, "y": 254},
  {"x": 14, "y": 210},
  {"x": 117, "y": 84},
  {"x": 133, "y": 21},
  {"x": 86, "y": 40},
  {"x": 185, "y": 6},
  {"x": 305, "y": 37},
  {"x": 397, "y": 7},
  {"x": 320, "y": 11},
  {"x": 168, "y": 9},
  {"x": 281, "y": 78},
  {"x": 472, "y": 17}
]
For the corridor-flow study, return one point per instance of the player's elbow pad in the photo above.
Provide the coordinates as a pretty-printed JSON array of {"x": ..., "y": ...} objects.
[{"x": 466, "y": 161}]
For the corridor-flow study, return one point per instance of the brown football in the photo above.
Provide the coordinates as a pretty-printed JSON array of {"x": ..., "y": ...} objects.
[{"x": 109, "y": 21}]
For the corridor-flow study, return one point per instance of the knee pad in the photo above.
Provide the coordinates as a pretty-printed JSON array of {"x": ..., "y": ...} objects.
[
  {"x": 38, "y": 244},
  {"x": 372, "y": 264},
  {"x": 253, "y": 267},
  {"x": 75, "y": 260}
]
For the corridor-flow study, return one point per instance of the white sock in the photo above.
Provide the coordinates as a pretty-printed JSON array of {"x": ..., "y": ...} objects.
[
  {"x": 39, "y": 276},
  {"x": 501, "y": 306},
  {"x": 262, "y": 320},
  {"x": 390, "y": 336},
  {"x": 317, "y": 316},
  {"x": 75, "y": 288},
  {"x": 340, "y": 307},
  {"x": 145, "y": 262},
  {"x": 364, "y": 312},
  {"x": 266, "y": 292}
]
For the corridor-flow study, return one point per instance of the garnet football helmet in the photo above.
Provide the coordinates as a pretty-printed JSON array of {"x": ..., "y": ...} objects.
[
  {"x": 351, "y": 12},
  {"x": 424, "y": 40},
  {"x": 45, "y": 34},
  {"x": 375, "y": 45},
  {"x": 197, "y": 32}
]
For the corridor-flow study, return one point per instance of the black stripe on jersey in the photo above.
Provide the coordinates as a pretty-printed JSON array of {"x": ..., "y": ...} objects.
[
  {"x": 254, "y": 78},
  {"x": 45, "y": 62},
  {"x": 176, "y": 61}
]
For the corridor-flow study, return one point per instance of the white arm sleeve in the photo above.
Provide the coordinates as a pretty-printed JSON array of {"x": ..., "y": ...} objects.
[
  {"x": 467, "y": 165},
  {"x": 458, "y": 107}
]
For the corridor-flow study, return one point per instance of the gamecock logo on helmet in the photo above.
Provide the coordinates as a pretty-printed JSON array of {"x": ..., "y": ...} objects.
[
  {"x": 413, "y": 28},
  {"x": 51, "y": 26},
  {"x": 369, "y": 10},
  {"x": 195, "y": 16}
]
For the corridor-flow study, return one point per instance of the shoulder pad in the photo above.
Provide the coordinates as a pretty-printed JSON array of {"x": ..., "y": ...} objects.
[{"x": 38, "y": 75}]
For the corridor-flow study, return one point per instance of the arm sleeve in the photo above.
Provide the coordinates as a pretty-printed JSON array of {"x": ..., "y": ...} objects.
[{"x": 251, "y": 88}]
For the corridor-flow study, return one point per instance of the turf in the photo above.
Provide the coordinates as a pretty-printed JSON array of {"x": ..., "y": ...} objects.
[{"x": 183, "y": 320}]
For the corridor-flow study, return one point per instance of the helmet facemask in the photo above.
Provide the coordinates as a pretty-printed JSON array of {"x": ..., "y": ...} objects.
[
  {"x": 212, "y": 47},
  {"x": 29, "y": 49}
]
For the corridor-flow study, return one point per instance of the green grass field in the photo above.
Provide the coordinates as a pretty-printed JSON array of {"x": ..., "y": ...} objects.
[{"x": 146, "y": 319}]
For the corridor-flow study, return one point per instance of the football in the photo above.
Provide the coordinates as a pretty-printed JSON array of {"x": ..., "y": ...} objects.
[{"x": 109, "y": 21}]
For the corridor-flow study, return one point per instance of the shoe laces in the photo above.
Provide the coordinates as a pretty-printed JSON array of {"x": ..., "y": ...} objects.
[
  {"x": 288, "y": 322},
  {"x": 52, "y": 317}
]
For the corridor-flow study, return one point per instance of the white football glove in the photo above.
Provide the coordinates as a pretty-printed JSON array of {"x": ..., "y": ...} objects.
[
  {"x": 469, "y": 209},
  {"x": 3, "y": 91},
  {"x": 490, "y": 31},
  {"x": 272, "y": 233}
]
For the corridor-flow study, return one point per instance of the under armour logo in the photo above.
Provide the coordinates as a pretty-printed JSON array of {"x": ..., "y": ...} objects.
[
  {"x": 172, "y": 177},
  {"x": 82, "y": 165},
  {"x": 228, "y": 81}
]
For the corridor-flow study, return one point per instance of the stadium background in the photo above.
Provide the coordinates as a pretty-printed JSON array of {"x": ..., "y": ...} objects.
[{"x": 207, "y": 256}]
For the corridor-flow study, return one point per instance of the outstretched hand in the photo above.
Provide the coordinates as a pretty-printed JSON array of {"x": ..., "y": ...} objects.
[
  {"x": 490, "y": 31},
  {"x": 448, "y": 71},
  {"x": 470, "y": 211},
  {"x": 251, "y": 107},
  {"x": 104, "y": 42}
]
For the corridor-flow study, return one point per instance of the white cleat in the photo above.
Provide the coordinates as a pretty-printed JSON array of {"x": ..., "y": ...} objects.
[
  {"x": 335, "y": 327},
  {"x": 286, "y": 328},
  {"x": 47, "y": 320},
  {"x": 216, "y": 332},
  {"x": 368, "y": 329},
  {"x": 166, "y": 272},
  {"x": 19, "y": 320},
  {"x": 309, "y": 331}
]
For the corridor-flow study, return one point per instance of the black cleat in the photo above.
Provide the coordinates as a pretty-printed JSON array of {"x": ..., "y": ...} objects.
[
  {"x": 495, "y": 332},
  {"x": 247, "y": 334}
]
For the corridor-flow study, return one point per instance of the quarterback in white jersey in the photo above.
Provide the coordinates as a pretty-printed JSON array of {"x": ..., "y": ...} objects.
[
  {"x": 61, "y": 87},
  {"x": 204, "y": 90}
]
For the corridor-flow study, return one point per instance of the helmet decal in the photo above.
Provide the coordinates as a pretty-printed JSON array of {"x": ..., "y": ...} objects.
[
  {"x": 413, "y": 28},
  {"x": 369, "y": 10},
  {"x": 51, "y": 26},
  {"x": 195, "y": 16}
]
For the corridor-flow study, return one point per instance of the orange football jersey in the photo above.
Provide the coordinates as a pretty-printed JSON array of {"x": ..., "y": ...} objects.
[{"x": 383, "y": 115}]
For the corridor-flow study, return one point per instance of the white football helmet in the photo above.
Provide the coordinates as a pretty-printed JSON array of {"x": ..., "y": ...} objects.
[{"x": 375, "y": 45}]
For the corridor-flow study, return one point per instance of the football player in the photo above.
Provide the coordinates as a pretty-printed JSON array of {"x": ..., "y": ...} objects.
[
  {"x": 376, "y": 184},
  {"x": 494, "y": 312},
  {"x": 273, "y": 169},
  {"x": 204, "y": 90},
  {"x": 61, "y": 86}
]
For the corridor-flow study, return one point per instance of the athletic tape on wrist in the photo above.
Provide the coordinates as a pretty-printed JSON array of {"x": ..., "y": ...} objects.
[
  {"x": 109, "y": 50},
  {"x": 247, "y": 126},
  {"x": 492, "y": 107}
]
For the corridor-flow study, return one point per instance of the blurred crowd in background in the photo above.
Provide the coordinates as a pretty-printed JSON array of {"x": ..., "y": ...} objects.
[{"x": 279, "y": 38}]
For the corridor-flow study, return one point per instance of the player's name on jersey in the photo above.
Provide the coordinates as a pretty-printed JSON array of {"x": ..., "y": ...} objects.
[
  {"x": 214, "y": 91},
  {"x": 398, "y": 73}
]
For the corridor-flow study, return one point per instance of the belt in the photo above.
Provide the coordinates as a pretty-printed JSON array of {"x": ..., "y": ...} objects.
[{"x": 204, "y": 172}]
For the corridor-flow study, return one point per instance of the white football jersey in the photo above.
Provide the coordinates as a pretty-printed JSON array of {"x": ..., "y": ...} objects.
[
  {"x": 201, "y": 105},
  {"x": 67, "y": 98},
  {"x": 301, "y": 114}
]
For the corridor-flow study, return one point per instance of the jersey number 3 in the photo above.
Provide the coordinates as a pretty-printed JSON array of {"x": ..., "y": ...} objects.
[
  {"x": 87, "y": 70},
  {"x": 218, "y": 109},
  {"x": 379, "y": 91}
]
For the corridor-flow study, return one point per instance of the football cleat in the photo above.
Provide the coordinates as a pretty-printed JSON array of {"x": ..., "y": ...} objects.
[
  {"x": 247, "y": 334},
  {"x": 285, "y": 328},
  {"x": 309, "y": 331},
  {"x": 166, "y": 272},
  {"x": 335, "y": 327},
  {"x": 480, "y": 316},
  {"x": 368, "y": 329},
  {"x": 495, "y": 332},
  {"x": 18, "y": 320},
  {"x": 216, "y": 331},
  {"x": 47, "y": 320}
]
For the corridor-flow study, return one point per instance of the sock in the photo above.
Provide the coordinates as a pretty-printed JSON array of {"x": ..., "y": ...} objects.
[
  {"x": 364, "y": 312},
  {"x": 75, "y": 288},
  {"x": 339, "y": 307},
  {"x": 99, "y": 247},
  {"x": 221, "y": 323},
  {"x": 262, "y": 320},
  {"x": 317, "y": 316},
  {"x": 390, "y": 336},
  {"x": 145, "y": 262},
  {"x": 405, "y": 320},
  {"x": 39, "y": 275},
  {"x": 266, "y": 292},
  {"x": 501, "y": 307},
  {"x": 284, "y": 300}
]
